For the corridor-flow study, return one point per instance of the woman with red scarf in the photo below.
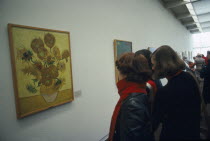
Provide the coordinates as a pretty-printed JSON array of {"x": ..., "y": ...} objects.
[{"x": 131, "y": 117}]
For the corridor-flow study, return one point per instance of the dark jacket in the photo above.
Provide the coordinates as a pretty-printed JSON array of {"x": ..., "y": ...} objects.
[
  {"x": 134, "y": 121},
  {"x": 158, "y": 83},
  {"x": 205, "y": 73},
  {"x": 177, "y": 106}
]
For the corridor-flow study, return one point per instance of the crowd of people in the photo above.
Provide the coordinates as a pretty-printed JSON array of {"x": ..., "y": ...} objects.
[
  {"x": 200, "y": 68},
  {"x": 144, "y": 103}
]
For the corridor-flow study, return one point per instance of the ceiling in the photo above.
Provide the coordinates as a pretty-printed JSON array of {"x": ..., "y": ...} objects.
[{"x": 193, "y": 14}]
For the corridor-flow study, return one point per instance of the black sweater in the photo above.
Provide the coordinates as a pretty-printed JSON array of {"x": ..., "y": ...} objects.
[{"x": 177, "y": 106}]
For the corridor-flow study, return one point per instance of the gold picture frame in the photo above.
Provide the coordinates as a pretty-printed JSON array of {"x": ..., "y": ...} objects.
[{"x": 42, "y": 70}]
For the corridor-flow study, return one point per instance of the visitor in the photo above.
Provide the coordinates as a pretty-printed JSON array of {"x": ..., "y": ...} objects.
[
  {"x": 131, "y": 119},
  {"x": 177, "y": 104}
]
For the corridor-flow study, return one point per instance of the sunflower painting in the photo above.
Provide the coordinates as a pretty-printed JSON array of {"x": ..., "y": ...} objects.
[{"x": 41, "y": 65}]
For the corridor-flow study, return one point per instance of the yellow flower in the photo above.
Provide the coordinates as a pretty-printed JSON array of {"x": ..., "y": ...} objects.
[
  {"x": 47, "y": 82},
  {"x": 61, "y": 66},
  {"x": 54, "y": 87},
  {"x": 42, "y": 53},
  {"x": 56, "y": 53},
  {"x": 59, "y": 83},
  {"x": 65, "y": 55},
  {"x": 49, "y": 40},
  {"x": 50, "y": 72},
  {"x": 38, "y": 65},
  {"x": 30, "y": 70},
  {"x": 36, "y": 44},
  {"x": 53, "y": 71}
]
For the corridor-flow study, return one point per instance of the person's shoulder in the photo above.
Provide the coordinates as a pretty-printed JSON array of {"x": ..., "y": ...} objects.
[
  {"x": 186, "y": 74},
  {"x": 136, "y": 98},
  {"x": 187, "y": 78}
]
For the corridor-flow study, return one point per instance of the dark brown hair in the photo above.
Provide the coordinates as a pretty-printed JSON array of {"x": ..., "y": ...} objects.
[
  {"x": 134, "y": 67},
  {"x": 167, "y": 62},
  {"x": 147, "y": 54}
]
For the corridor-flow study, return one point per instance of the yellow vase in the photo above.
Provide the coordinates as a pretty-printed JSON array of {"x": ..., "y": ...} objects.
[{"x": 48, "y": 93}]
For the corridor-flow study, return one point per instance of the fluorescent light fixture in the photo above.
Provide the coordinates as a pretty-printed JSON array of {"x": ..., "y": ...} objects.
[
  {"x": 192, "y": 12},
  {"x": 189, "y": 6}
]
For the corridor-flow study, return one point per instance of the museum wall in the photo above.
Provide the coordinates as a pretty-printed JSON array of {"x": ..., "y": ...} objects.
[{"x": 93, "y": 26}]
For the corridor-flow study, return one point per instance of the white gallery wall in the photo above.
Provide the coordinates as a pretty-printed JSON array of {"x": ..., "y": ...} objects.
[{"x": 93, "y": 25}]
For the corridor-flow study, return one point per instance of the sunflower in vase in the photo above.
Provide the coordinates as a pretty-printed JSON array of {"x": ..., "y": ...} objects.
[{"x": 45, "y": 63}]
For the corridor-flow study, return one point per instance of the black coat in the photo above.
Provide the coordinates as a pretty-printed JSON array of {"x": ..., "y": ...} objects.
[
  {"x": 158, "y": 83},
  {"x": 177, "y": 106},
  {"x": 134, "y": 120}
]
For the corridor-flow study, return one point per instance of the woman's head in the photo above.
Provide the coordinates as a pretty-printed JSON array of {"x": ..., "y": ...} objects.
[
  {"x": 199, "y": 55},
  {"x": 146, "y": 53},
  {"x": 134, "y": 68},
  {"x": 166, "y": 62}
]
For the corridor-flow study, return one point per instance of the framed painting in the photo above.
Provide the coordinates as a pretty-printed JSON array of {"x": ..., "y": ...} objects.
[
  {"x": 41, "y": 64},
  {"x": 120, "y": 47}
]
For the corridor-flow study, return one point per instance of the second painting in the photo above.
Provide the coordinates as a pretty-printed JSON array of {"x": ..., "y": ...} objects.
[{"x": 120, "y": 47}]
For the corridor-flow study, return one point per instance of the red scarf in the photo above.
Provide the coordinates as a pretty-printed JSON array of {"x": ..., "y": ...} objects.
[
  {"x": 153, "y": 84},
  {"x": 124, "y": 89}
]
